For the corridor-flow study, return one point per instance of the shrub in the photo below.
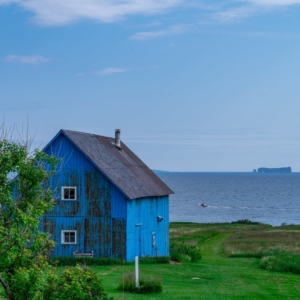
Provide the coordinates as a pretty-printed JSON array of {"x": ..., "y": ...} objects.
[
  {"x": 281, "y": 261},
  {"x": 177, "y": 256},
  {"x": 147, "y": 285},
  {"x": 181, "y": 252},
  {"x": 246, "y": 222},
  {"x": 27, "y": 283},
  {"x": 268, "y": 263},
  {"x": 127, "y": 283},
  {"x": 150, "y": 285},
  {"x": 76, "y": 283}
]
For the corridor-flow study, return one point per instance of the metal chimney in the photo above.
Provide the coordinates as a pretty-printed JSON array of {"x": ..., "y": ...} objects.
[{"x": 118, "y": 138}]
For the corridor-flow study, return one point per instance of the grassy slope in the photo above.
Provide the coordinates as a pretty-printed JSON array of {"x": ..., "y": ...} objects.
[{"x": 214, "y": 277}]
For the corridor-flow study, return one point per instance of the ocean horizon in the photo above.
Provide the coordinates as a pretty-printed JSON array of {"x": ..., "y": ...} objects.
[{"x": 230, "y": 196}]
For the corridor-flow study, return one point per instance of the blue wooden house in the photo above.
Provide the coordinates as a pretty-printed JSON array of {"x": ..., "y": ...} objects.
[{"x": 107, "y": 200}]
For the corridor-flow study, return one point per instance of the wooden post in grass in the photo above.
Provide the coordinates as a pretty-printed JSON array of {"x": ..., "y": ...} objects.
[{"x": 137, "y": 284}]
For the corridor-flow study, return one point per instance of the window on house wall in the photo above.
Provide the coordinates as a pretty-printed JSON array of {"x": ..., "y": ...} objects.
[
  {"x": 68, "y": 236},
  {"x": 68, "y": 193}
]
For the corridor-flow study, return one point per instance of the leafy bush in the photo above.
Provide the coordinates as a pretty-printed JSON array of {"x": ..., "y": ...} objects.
[
  {"x": 177, "y": 256},
  {"x": 281, "y": 261},
  {"x": 246, "y": 222},
  {"x": 76, "y": 283},
  {"x": 150, "y": 285},
  {"x": 147, "y": 285},
  {"x": 181, "y": 252},
  {"x": 26, "y": 283}
]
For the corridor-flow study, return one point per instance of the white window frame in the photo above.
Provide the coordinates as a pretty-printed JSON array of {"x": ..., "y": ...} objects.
[
  {"x": 63, "y": 193},
  {"x": 63, "y": 237}
]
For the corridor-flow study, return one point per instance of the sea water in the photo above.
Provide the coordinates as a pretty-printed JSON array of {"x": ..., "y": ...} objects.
[{"x": 268, "y": 198}]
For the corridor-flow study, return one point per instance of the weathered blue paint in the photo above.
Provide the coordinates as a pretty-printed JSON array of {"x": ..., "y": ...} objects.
[
  {"x": 102, "y": 215},
  {"x": 142, "y": 224},
  {"x": 119, "y": 203}
]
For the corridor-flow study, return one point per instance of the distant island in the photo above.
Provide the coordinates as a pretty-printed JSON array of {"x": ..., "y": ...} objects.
[
  {"x": 160, "y": 171},
  {"x": 273, "y": 170}
]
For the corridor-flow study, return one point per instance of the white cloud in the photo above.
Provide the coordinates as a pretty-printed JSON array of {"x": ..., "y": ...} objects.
[
  {"x": 110, "y": 71},
  {"x": 177, "y": 29},
  {"x": 234, "y": 14},
  {"x": 275, "y": 2},
  {"x": 31, "y": 59},
  {"x": 237, "y": 10},
  {"x": 79, "y": 74},
  {"x": 57, "y": 12}
]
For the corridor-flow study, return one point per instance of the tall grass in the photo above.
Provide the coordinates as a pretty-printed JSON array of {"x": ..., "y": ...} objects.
[
  {"x": 280, "y": 260},
  {"x": 147, "y": 285},
  {"x": 182, "y": 253},
  {"x": 277, "y": 248},
  {"x": 100, "y": 261},
  {"x": 89, "y": 261},
  {"x": 254, "y": 243}
]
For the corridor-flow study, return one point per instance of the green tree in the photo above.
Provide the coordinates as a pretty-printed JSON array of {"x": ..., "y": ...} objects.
[{"x": 24, "y": 197}]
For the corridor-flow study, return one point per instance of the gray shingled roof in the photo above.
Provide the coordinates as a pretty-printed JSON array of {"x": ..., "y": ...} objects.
[{"x": 121, "y": 166}]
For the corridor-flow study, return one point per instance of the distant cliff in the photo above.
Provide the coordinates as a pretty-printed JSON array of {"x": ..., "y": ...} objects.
[
  {"x": 275, "y": 170},
  {"x": 159, "y": 171}
]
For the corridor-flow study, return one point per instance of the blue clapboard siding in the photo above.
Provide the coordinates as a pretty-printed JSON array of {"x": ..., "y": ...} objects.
[
  {"x": 119, "y": 203},
  {"x": 99, "y": 221},
  {"x": 144, "y": 211},
  {"x": 93, "y": 234}
]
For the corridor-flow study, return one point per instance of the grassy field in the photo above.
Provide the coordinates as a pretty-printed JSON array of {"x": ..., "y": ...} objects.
[{"x": 229, "y": 269}]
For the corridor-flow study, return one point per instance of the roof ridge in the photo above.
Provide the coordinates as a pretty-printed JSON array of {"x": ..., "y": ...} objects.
[{"x": 82, "y": 132}]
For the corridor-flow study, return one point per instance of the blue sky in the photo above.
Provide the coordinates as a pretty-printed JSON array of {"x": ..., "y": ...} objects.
[{"x": 193, "y": 85}]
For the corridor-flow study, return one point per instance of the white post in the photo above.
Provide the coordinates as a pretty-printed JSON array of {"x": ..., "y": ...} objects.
[{"x": 137, "y": 284}]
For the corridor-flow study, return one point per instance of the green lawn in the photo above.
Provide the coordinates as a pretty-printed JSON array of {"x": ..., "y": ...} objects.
[
  {"x": 229, "y": 268},
  {"x": 215, "y": 276}
]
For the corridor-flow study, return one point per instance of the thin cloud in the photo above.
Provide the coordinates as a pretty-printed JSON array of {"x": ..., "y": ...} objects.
[
  {"x": 31, "y": 59},
  {"x": 57, "y": 12},
  {"x": 234, "y": 14},
  {"x": 275, "y": 2},
  {"x": 233, "y": 11},
  {"x": 177, "y": 29},
  {"x": 79, "y": 74},
  {"x": 110, "y": 71}
]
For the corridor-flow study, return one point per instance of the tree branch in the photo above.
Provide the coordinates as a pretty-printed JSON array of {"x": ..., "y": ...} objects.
[{"x": 6, "y": 288}]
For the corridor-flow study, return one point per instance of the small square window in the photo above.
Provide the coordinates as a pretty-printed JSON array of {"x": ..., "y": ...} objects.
[
  {"x": 68, "y": 193},
  {"x": 68, "y": 236}
]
